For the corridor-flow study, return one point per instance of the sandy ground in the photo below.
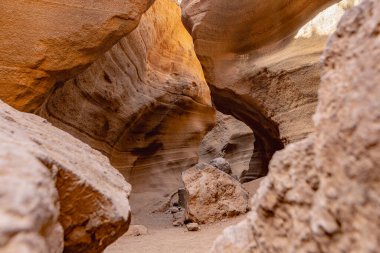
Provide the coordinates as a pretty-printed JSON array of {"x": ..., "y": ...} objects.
[
  {"x": 172, "y": 239},
  {"x": 162, "y": 237}
]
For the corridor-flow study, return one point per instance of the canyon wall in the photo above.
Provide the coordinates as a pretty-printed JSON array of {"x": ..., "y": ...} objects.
[
  {"x": 44, "y": 42},
  {"x": 321, "y": 194},
  {"x": 230, "y": 139},
  {"x": 144, "y": 104},
  {"x": 258, "y": 70}
]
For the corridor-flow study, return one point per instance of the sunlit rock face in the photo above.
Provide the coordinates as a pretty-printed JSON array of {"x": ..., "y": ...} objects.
[
  {"x": 257, "y": 68},
  {"x": 92, "y": 200},
  {"x": 321, "y": 194},
  {"x": 144, "y": 104},
  {"x": 43, "y": 42},
  {"x": 325, "y": 23},
  {"x": 230, "y": 139}
]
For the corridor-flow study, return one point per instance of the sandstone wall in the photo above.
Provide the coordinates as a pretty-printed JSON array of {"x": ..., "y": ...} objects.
[
  {"x": 43, "y": 42},
  {"x": 257, "y": 70},
  {"x": 144, "y": 104},
  {"x": 321, "y": 194},
  {"x": 230, "y": 139}
]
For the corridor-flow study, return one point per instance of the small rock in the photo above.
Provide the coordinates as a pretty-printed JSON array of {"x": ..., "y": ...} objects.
[
  {"x": 192, "y": 226},
  {"x": 221, "y": 164},
  {"x": 179, "y": 215},
  {"x": 177, "y": 223},
  {"x": 174, "y": 209},
  {"x": 137, "y": 230}
]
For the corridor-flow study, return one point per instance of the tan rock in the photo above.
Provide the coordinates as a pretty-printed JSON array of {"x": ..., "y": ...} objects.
[
  {"x": 321, "y": 193},
  {"x": 212, "y": 195},
  {"x": 177, "y": 223},
  {"x": 192, "y": 226},
  {"x": 230, "y": 139},
  {"x": 93, "y": 196},
  {"x": 144, "y": 104},
  {"x": 221, "y": 164},
  {"x": 44, "y": 42},
  {"x": 257, "y": 71},
  {"x": 29, "y": 206}
]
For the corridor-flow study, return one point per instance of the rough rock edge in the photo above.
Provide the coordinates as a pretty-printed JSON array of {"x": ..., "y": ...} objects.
[{"x": 92, "y": 194}]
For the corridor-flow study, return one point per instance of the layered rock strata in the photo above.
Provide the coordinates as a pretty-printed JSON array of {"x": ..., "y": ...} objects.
[
  {"x": 321, "y": 194},
  {"x": 44, "y": 42},
  {"x": 257, "y": 70},
  {"x": 144, "y": 104},
  {"x": 93, "y": 196}
]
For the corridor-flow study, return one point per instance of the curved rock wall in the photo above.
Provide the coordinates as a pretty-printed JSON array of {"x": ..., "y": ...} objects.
[
  {"x": 257, "y": 71},
  {"x": 144, "y": 104},
  {"x": 321, "y": 194},
  {"x": 43, "y": 42}
]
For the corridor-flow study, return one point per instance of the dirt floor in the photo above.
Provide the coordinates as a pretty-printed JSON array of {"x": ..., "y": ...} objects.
[
  {"x": 162, "y": 237},
  {"x": 172, "y": 239}
]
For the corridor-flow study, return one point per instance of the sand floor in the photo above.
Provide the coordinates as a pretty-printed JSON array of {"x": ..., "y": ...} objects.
[
  {"x": 162, "y": 237},
  {"x": 172, "y": 239}
]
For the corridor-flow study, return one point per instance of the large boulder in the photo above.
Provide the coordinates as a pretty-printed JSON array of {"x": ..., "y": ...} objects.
[
  {"x": 93, "y": 196},
  {"x": 29, "y": 206},
  {"x": 258, "y": 68},
  {"x": 144, "y": 104},
  {"x": 321, "y": 194},
  {"x": 212, "y": 195},
  {"x": 44, "y": 42}
]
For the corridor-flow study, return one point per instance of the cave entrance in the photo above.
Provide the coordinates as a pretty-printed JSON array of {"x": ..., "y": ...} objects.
[{"x": 267, "y": 137}]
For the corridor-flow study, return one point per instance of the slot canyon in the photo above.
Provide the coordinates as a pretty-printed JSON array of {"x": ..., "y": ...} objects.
[{"x": 191, "y": 126}]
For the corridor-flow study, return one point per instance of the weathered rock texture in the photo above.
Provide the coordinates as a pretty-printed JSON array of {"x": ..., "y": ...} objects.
[
  {"x": 321, "y": 194},
  {"x": 212, "y": 195},
  {"x": 29, "y": 206},
  {"x": 230, "y": 139},
  {"x": 44, "y": 42},
  {"x": 144, "y": 104},
  {"x": 255, "y": 68},
  {"x": 221, "y": 164},
  {"x": 93, "y": 196}
]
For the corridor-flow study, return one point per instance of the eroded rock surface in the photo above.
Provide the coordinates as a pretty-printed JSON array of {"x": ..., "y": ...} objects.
[
  {"x": 29, "y": 207},
  {"x": 212, "y": 195},
  {"x": 230, "y": 139},
  {"x": 44, "y": 42},
  {"x": 222, "y": 165},
  {"x": 93, "y": 196},
  {"x": 321, "y": 194},
  {"x": 144, "y": 104},
  {"x": 257, "y": 70}
]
